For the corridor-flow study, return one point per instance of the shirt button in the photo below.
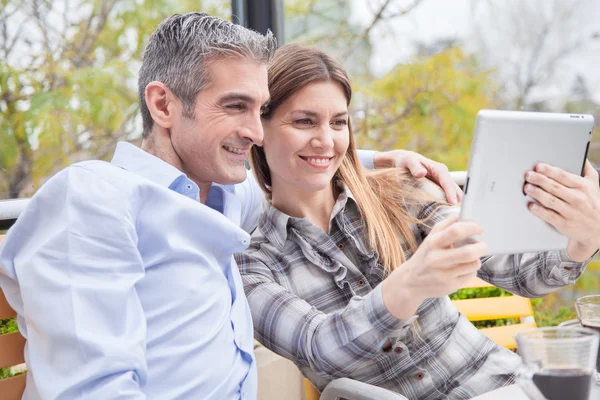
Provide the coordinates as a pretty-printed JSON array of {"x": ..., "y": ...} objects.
[
  {"x": 341, "y": 246},
  {"x": 398, "y": 350},
  {"x": 188, "y": 186},
  {"x": 420, "y": 376},
  {"x": 361, "y": 282}
]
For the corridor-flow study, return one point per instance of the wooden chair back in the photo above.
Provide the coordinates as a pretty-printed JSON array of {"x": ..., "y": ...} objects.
[{"x": 12, "y": 348}]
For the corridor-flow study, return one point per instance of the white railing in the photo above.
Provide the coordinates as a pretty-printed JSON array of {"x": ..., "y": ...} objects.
[
  {"x": 11, "y": 209},
  {"x": 460, "y": 177}
]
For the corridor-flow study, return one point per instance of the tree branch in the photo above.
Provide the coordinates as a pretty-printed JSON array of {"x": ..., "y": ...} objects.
[{"x": 379, "y": 16}]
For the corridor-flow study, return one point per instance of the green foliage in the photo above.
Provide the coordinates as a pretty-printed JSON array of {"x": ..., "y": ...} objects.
[
  {"x": 72, "y": 95},
  {"x": 550, "y": 317},
  {"x": 428, "y": 106},
  {"x": 5, "y": 373},
  {"x": 7, "y": 326},
  {"x": 479, "y": 293}
]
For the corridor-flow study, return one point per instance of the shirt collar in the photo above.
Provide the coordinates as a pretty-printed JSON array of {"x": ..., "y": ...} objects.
[
  {"x": 138, "y": 161},
  {"x": 274, "y": 224}
]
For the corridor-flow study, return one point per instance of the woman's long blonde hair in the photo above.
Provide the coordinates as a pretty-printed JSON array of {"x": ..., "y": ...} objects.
[{"x": 382, "y": 195}]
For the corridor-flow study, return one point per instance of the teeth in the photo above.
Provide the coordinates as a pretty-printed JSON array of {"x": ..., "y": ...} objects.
[
  {"x": 318, "y": 160},
  {"x": 234, "y": 150}
]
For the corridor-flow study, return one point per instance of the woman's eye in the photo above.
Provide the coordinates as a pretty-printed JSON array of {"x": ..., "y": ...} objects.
[
  {"x": 340, "y": 122},
  {"x": 304, "y": 121}
]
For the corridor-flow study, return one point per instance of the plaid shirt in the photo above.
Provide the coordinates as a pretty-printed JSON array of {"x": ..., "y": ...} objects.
[{"x": 316, "y": 299}]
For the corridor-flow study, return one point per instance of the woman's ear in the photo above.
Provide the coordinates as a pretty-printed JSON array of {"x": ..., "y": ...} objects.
[{"x": 161, "y": 103}]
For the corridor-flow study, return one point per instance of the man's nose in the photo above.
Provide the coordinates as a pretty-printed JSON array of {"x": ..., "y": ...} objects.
[{"x": 253, "y": 131}]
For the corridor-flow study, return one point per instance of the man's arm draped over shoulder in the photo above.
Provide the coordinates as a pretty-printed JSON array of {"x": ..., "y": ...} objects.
[{"x": 69, "y": 268}]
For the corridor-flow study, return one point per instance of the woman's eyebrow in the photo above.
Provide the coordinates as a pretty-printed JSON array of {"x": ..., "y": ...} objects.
[{"x": 306, "y": 112}]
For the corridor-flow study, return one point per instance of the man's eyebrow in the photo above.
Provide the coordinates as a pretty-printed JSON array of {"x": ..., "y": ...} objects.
[{"x": 236, "y": 97}]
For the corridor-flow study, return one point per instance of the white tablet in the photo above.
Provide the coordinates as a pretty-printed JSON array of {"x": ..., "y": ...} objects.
[{"x": 506, "y": 145}]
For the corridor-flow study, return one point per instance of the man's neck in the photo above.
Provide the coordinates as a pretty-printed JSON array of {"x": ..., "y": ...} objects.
[
  {"x": 163, "y": 149},
  {"x": 316, "y": 206}
]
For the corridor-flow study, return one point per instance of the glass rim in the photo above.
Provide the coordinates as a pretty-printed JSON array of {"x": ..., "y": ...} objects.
[
  {"x": 527, "y": 334},
  {"x": 571, "y": 323},
  {"x": 582, "y": 300}
]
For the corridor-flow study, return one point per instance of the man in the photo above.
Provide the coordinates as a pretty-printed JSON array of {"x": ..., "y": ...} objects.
[{"x": 122, "y": 273}]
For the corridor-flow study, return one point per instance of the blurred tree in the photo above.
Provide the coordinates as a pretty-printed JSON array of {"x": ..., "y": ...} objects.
[
  {"x": 67, "y": 80},
  {"x": 428, "y": 106},
  {"x": 329, "y": 25},
  {"x": 581, "y": 101},
  {"x": 532, "y": 45}
]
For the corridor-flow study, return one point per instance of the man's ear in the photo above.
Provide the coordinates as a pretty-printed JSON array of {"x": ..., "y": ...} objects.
[{"x": 160, "y": 101}]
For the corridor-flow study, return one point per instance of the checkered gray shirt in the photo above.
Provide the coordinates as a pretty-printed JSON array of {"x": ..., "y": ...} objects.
[{"x": 316, "y": 300}]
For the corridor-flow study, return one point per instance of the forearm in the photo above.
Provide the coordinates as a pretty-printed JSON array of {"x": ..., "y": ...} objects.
[
  {"x": 532, "y": 274},
  {"x": 398, "y": 299},
  {"x": 581, "y": 252}
]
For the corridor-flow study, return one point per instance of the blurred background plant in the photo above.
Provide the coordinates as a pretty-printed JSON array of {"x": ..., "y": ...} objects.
[{"x": 421, "y": 70}]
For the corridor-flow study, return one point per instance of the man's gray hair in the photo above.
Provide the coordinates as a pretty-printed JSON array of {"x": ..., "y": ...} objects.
[{"x": 179, "y": 51}]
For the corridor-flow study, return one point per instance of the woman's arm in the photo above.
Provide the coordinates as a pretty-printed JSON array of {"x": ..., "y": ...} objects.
[
  {"x": 531, "y": 274},
  {"x": 333, "y": 345}
]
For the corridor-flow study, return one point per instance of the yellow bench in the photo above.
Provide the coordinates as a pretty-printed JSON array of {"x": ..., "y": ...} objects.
[{"x": 494, "y": 308}]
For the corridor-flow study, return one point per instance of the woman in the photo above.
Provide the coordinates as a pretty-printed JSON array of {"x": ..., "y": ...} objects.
[{"x": 345, "y": 276}]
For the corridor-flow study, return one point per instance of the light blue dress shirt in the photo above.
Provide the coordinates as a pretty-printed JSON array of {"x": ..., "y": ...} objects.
[{"x": 125, "y": 285}]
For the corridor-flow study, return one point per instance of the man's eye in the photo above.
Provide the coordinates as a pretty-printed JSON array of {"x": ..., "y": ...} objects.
[{"x": 235, "y": 106}]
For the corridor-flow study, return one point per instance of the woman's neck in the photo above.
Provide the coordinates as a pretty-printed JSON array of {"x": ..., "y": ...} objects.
[{"x": 316, "y": 206}]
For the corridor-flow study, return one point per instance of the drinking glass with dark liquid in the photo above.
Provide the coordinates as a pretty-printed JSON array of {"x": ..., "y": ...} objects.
[
  {"x": 558, "y": 362},
  {"x": 588, "y": 311}
]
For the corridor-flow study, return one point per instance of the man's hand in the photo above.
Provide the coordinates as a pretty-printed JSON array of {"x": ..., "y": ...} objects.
[
  {"x": 570, "y": 203},
  {"x": 421, "y": 167}
]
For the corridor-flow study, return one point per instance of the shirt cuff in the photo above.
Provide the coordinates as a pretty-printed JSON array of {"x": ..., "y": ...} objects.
[
  {"x": 380, "y": 318},
  {"x": 367, "y": 158},
  {"x": 568, "y": 267}
]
